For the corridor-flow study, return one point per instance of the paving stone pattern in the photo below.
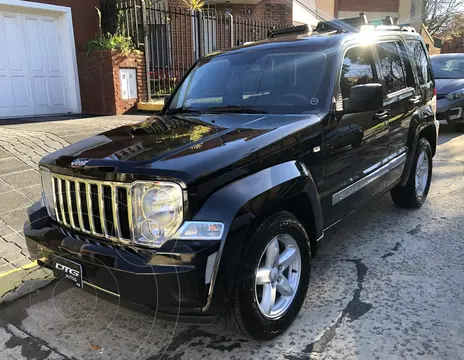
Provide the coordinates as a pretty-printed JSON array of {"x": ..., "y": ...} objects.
[{"x": 21, "y": 148}]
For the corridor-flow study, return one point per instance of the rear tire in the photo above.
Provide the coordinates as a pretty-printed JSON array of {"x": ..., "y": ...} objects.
[
  {"x": 414, "y": 193},
  {"x": 251, "y": 312}
]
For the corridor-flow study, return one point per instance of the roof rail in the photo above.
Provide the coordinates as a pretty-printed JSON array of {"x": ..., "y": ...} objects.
[
  {"x": 343, "y": 25},
  {"x": 388, "y": 28},
  {"x": 409, "y": 29},
  {"x": 301, "y": 29}
]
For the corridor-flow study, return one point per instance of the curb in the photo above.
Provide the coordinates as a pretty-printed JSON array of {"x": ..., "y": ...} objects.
[
  {"x": 150, "y": 106},
  {"x": 23, "y": 281}
]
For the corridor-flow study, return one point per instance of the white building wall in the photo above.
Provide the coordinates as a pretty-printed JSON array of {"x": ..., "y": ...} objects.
[{"x": 301, "y": 14}]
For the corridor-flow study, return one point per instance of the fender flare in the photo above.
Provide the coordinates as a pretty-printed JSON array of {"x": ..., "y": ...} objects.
[
  {"x": 238, "y": 204},
  {"x": 414, "y": 140}
]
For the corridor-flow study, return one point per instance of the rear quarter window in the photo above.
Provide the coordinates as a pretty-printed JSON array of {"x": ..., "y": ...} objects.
[{"x": 420, "y": 61}]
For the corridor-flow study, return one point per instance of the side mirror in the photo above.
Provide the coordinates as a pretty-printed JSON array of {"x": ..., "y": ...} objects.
[{"x": 367, "y": 97}]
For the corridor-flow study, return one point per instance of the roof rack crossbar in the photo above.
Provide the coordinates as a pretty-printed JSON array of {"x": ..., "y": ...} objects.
[
  {"x": 343, "y": 25},
  {"x": 301, "y": 29},
  {"x": 388, "y": 20},
  {"x": 356, "y": 24}
]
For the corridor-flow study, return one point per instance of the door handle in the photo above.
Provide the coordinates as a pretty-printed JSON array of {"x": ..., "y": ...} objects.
[
  {"x": 382, "y": 115},
  {"x": 415, "y": 100}
]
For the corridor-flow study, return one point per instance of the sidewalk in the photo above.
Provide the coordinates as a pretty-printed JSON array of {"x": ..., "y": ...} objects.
[{"x": 21, "y": 148}]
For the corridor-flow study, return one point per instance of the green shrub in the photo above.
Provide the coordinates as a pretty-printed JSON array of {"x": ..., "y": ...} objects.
[{"x": 109, "y": 41}]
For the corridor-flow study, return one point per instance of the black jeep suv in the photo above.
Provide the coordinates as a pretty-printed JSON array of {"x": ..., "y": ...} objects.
[{"x": 214, "y": 207}]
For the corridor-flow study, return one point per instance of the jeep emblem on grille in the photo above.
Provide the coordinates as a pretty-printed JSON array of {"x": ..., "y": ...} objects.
[{"x": 79, "y": 163}]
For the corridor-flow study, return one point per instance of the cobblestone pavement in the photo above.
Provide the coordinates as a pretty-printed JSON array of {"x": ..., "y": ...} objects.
[
  {"x": 387, "y": 283},
  {"x": 21, "y": 148}
]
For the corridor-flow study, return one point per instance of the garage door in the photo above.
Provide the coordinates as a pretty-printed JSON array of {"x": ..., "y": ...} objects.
[{"x": 32, "y": 75}]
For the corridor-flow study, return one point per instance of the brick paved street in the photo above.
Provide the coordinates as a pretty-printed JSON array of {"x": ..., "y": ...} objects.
[
  {"x": 387, "y": 283},
  {"x": 21, "y": 148}
]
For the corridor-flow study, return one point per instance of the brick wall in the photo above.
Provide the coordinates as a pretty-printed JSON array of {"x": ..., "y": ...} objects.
[
  {"x": 453, "y": 46},
  {"x": 270, "y": 10},
  {"x": 100, "y": 81},
  {"x": 280, "y": 11},
  {"x": 134, "y": 61},
  {"x": 96, "y": 80},
  {"x": 85, "y": 18},
  {"x": 369, "y": 5}
]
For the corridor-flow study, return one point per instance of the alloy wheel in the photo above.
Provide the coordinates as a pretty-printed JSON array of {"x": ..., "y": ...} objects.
[
  {"x": 278, "y": 276},
  {"x": 422, "y": 173}
]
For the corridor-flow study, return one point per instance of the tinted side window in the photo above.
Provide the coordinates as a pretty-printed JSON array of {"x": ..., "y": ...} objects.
[
  {"x": 392, "y": 65},
  {"x": 357, "y": 69},
  {"x": 419, "y": 56}
]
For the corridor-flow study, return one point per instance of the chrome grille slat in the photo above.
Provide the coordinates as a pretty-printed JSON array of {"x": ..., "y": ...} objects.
[
  {"x": 70, "y": 209},
  {"x": 129, "y": 212},
  {"x": 117, "y": 228},
  {"x": 90, "y": 208},
  {"x": 102, "y": 210},
  {"x": 54, "y": 200},
  {"x": 79, "y": 207},
  {"x": 63, "y": 206},
  {"x": 60, "y": 195}
]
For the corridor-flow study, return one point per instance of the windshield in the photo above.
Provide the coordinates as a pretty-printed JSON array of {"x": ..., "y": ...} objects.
[
  {"x": 448, "y": 68},
  {"x": 278, "y": 81}
]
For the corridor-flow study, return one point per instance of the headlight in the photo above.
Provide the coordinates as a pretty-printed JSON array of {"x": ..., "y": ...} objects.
[
  {"x": 47, "y": 193},
  {"x": 455, "y": 95},
  {"x": 157, "y": 212}
]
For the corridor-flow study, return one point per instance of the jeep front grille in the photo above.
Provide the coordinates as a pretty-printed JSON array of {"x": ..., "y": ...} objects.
[{"x": 98, "y": 208}]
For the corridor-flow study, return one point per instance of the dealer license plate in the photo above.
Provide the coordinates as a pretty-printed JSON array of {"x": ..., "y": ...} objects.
[{"x": 64, "y": 268}]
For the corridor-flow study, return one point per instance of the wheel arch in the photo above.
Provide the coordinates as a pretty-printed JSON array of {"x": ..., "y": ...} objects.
[
  {"x": 242, "y": 204},
  {"x": 426, "y": 131},
  {"x": 430, "y": 134}
]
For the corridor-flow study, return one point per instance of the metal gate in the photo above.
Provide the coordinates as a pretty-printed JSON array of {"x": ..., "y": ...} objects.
[{"x": 174, "y": 37}]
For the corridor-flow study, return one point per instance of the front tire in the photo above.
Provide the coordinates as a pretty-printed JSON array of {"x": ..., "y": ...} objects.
[
  {"x": 460, "y": 127},
  {"x": 273, "y": 278},
  {"x": 414, "y": 193}
]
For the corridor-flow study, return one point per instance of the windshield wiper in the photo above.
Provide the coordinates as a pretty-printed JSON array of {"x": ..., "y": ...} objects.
[
  {"x": 184, "y": 111},
  {"x": 236, "y": 109}
]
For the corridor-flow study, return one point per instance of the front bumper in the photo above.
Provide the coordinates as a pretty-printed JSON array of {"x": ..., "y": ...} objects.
[
  {"x": 172, "y": 280},
  {"x": 450, "y": 111}
]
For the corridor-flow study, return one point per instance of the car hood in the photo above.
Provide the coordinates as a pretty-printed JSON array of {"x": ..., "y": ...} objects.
[
  {"x": 176, "y": 147},
  {"x": 446, "y": 86}
]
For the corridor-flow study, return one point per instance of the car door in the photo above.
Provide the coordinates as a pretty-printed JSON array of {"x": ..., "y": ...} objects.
[
  {"x": 402, "y": 99},
  {"x": 422, "y": 68},
  {"x": 355, "y": 144},
  {"x": 425, "y": 82}
]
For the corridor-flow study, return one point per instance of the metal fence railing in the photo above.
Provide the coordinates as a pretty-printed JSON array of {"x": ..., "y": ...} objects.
[{"x": 174, "y": 37}]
